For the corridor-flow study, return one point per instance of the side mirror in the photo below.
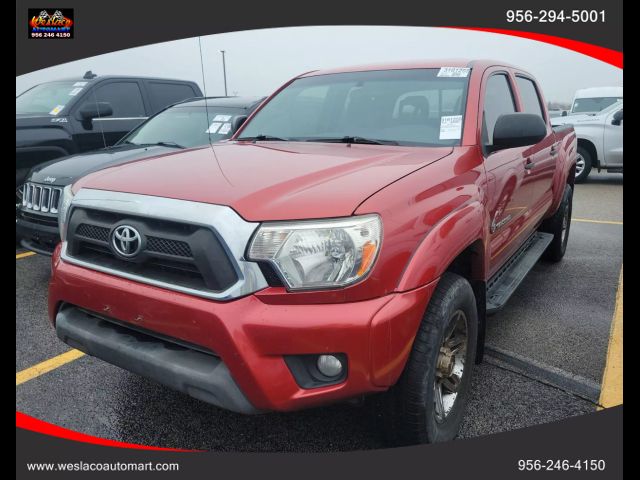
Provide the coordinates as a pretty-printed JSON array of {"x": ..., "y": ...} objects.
[
  {"x": 518, "y": 130},
  {"x": 95, "y": 110},
  {"x": 617, "y": 118},
  {"x": 237, "y": 122},
  {"x": 564, "y": 113}
]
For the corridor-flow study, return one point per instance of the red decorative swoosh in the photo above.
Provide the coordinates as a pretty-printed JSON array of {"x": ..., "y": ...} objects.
[
  {"x": 612, "y": 57},
  {"x": 33, "y": 424}
]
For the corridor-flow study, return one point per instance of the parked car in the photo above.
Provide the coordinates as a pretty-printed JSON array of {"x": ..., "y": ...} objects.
[
  {"x": 75, "y": 115},
  {"x": 181, "y": 126},
  {"x": 350, "y": 239},
  {"x": 557, "y": 113},
  {"x": 599, "y": 140},
  {"x": 595, "y": 99}
]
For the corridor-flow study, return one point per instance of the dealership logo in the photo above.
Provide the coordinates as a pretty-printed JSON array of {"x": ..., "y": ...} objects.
[
  {"x": 51, "y": 23},
  {"x": 126, "y": 241}
]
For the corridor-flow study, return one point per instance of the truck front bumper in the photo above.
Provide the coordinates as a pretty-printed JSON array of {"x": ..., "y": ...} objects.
[{"x": 234, "y": 354}]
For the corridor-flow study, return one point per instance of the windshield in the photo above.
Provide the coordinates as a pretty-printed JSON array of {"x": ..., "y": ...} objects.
[
  {"x": 48, "y": 98},
  {"x": 404, "y": 107},
  {"x": 590, "y": 105},
  {"x": 186, "y": 126}
]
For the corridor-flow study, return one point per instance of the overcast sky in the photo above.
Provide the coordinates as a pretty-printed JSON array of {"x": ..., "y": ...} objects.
[{"x": 259, "y": 61}]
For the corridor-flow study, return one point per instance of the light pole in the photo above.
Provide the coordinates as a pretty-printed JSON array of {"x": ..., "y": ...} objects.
[{"x": 224, "y": 73}]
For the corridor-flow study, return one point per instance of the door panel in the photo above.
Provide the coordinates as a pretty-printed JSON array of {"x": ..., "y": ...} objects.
[
  {"x": 510, "y": 191},
  {"x": 508, "y": 184},
  {"x": 540, "y": 158}
]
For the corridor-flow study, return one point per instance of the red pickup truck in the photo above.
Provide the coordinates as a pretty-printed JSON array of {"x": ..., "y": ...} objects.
[{"x": 351, "y": 238}]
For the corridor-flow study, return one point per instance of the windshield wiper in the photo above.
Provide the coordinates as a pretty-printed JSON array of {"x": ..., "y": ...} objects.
[
  {"x": 263, "y": 138},
  {"x": 352, "y": 139},
  {"x": 167, "y": 144},
  {"x": 150, "y": 144}
]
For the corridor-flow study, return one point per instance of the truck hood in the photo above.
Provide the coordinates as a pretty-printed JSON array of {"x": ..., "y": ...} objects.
[
  {"x": 270, "y": 181},
  {"x": 30, "y": 120},
  {"x": 66, "y": 170},
  {"x": 576, "y": 118}
]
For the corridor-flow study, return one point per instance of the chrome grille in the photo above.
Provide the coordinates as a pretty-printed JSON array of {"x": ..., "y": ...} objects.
[{"x": 41, "y": 198}]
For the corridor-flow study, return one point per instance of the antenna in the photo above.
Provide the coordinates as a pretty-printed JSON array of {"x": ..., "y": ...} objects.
[{"x": 204, "y": 86}]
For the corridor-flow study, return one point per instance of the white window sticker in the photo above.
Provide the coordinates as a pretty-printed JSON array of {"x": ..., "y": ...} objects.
[
  {"x": 450, "y": 127},
  {"x": 222, "y": 118},
  {"x": 79, "y": 84},
  {"x": 224, "y": 129},
  {"x": 213, "y": 128},
  {"x": 454, "y": 72},
  {"x": 56, "y": 110},
  {"x": 75, "y": 91}
]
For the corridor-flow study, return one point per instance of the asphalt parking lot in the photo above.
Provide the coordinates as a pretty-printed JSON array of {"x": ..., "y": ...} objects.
[{"x": 547, "y": 354}]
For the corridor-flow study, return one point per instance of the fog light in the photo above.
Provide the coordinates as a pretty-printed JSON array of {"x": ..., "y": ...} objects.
[{"x": 329, "y": 365}]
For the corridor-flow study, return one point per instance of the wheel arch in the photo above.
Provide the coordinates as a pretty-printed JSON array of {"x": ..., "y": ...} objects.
[
  {"x": 456, "y": 244},
  {"x": 590, "y": 147}
]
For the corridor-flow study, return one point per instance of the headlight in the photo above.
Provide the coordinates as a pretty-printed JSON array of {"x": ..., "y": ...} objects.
[
  {"x": 318, "y": 253},
  {"x": 63, "y": 211}
]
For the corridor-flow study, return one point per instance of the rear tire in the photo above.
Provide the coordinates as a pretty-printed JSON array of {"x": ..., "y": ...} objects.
[
  {"x": 441, "y": 359},
  {"x": 584, "y": 162},
  {"x": 559, "y": 225}
]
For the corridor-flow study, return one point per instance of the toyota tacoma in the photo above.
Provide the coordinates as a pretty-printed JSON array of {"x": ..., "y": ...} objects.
[{"x": 350, "y": 239}]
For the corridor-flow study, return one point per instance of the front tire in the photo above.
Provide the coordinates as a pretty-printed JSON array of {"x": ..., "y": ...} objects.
[
  {"x": 584, "y": 162},
  {"x": 430, "y": 398}
]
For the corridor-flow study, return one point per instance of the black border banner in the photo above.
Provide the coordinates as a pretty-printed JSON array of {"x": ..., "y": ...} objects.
[
  {"x": 102, "y": 27},
  {"x": 593, "y": 437}
]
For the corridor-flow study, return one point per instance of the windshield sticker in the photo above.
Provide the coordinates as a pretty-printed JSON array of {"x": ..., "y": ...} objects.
[
  {"x": 454, "y": 72},
  {"x": 75, "y": 91},
  {"x": 213, "y": 128},
  {"x": 79, "y": 84},
  {"x": 225, "y": 128},
  {"x": 56, "y": 110},
  {"x": 222, "y": 118},
  {"x": 451, "y": 127}
]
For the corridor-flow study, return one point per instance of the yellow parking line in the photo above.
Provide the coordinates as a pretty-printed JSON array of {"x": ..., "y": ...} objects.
[
  {"x": 611, "y": 391},
  {"x": 24, "y": 254},
  {"x": 588, "y": 220},
  {"x": 46, "y": 366}
]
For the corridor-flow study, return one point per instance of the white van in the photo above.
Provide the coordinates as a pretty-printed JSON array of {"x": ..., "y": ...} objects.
[{"x": 593, "y": 100}]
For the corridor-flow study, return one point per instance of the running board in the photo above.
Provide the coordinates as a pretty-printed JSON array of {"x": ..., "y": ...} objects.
[{"x": 502, "y": 285}]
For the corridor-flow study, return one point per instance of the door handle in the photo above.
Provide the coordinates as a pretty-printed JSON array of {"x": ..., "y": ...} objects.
[{"x": 529, "y": 164}]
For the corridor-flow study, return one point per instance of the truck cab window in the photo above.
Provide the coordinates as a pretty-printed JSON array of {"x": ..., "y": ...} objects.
[
  {"x": 530, "y": 98},
  {"x": 165, "y": 93},
  {"x": 124, "y": 97},
  {"x": 498, "y": 100}
]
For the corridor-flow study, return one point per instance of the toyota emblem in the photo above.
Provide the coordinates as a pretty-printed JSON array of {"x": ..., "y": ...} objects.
[{"x": 126, "y": 241}]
